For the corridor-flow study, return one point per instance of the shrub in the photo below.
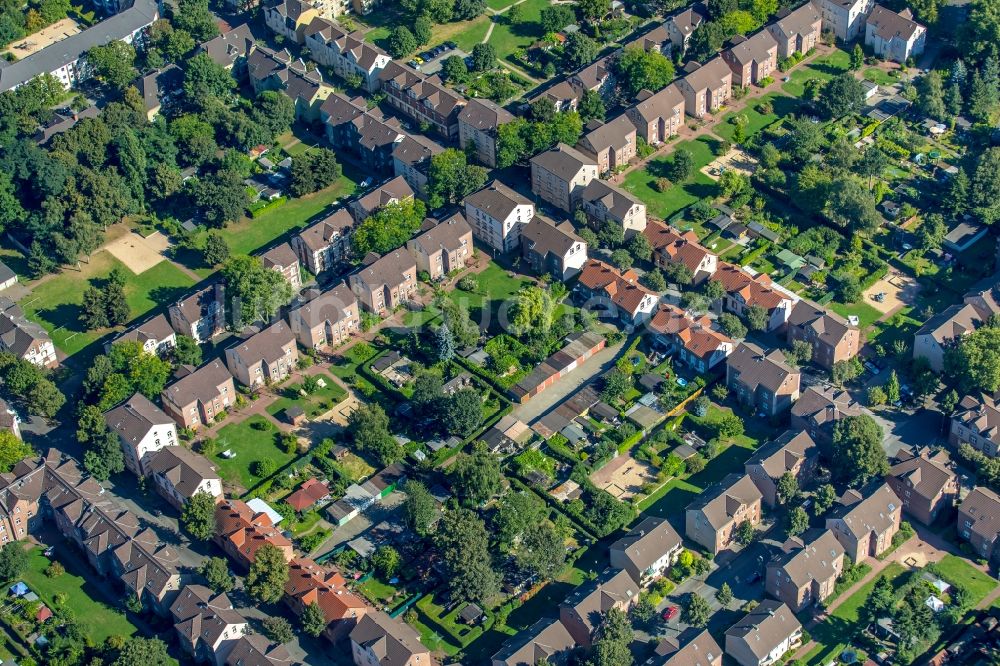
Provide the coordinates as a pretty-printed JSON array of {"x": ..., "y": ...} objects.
[
  {"x": 468, "y": 283},
  {"x": 55, "y": 570},
  {"x": 662, "y": 184},
  {"x": 264, "y": 468}
]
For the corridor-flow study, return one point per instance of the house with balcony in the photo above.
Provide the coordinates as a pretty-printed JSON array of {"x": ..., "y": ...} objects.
[
  {"x": 385, "y": 283},
  {"x": 647, "y": 551},
  {"x": 443, "y": 247},
  {"x": 762, "y": 381},
  {"x": 200, "y": 395},
  {"x": 865, "y": 523},
  {"x": 559, "y": 176},
  {"x": 497, "y": 214},
  {"x": 265, "y": 357},
  {"x": 553, "y": 249},
  {"x": 764, "y": 635},
  {"x": 805, "y": 573},
  {"x": 793, "y": 452},
  {"x": 712, "y": 519}
]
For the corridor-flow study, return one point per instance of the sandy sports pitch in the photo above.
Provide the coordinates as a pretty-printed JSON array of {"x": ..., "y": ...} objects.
[
  {"x": 735, "y": 160},
  {"x": 899, "y": 290},
  {"x": 137, "y": 253},
  {"x": 623, "y": 476},
  {"x": 47, "y": 36}
]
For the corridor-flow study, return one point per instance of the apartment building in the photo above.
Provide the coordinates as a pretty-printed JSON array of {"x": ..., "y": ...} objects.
[
  {"x": 393, "y": 191},
  {"x": 283, "y": 259},
  {"x": 327, "y": 320},
  {"x": 179, "y": 474},
  {"x": 241, "y": 532},
  {"x": 793, "y": 452},
  {"x": 804, "y": 574},
  {"x": 142, "y": 429},
  {"x": 24, "y": 338},
  {"x": 797, "y": 31},
  {"x": 423, "y": 99},
  {"x": 560, "y": 174},
  {"x": 386, "y": 283},
  {"x": 478, "y": 123},
  {"x": 199, "y": 396},
  {"x": 764, "y": 635},
  {"x": 670, "y": 246},
  {"x": 925, "y": 483},
  {"x": 290, "y": 18},
  {"x": 583, "y": 609},
  {"x": 309, "y": 583},
  {"x": 155, "y": 335},
  {"x": 552, "y": 248},
  {"x": 894, "y": 36},
  {"x": 682, "y": 25},
  {"x": 763, "y": 381},
  {"x": 202, "y": 315},
  {"x": 207, "y": 626},
  {"x": 712, "y": 519},
  {"x": 693, "y": 341},
  {"x": 347, "y": 54},
  {"x": 818, "y": 409},
  {"x": 379, "y": 640},
  {"x": 976, "y": 422},
  {"x": 607, "y": 203},
  {"x": 744, "y": 291},
  {"x": 265, "y": 357},
  {"x": 979, "y": 523},
  {"x": 707, "y": 88},
  {"x": 865, "y": 524},
  {"x": 845, "y": 18},
  {"x": 497, "y": 214},
  {"x": 611, "y": 144},
  {"x": 831, "y": 337},
  {"x": 443, "y": 247},
  {"x": 411, "y": 159},
  {"x": 326, "y": 243},
  {"x": 658, "y": 116},
  {"x": 647, "y": 551},
  {"x": 546, "y": 639},
  {"x": 752, "y": 59},
  {"x": 606, "y": 288}
]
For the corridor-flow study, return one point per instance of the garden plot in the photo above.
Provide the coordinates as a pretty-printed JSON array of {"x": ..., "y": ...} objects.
[
  {"x": 898, "y": 291},
  {"x": 624, "y": 476}
]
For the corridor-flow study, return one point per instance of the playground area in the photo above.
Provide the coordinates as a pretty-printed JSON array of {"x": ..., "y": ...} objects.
[
  {"x": 736, "y": 159},
  {"x": 137, "y": 253},
  {"x": 45, "y": 37},
  {"x": 893, "y": 292},
  {"x": 623, "y": 476}
]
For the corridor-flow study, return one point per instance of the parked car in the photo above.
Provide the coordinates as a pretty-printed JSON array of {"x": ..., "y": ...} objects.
[
  {"x": 414, "y": 64},
  {"x": 670, "y": 613},
  {"x": 451, "y": 45}
]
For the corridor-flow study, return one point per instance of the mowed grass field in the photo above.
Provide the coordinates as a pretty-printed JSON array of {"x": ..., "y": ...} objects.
[
  {"x": 54, "y": 302},
  {"x": 252, "y": 440},
  {"x": 782, "y": 105},
  {"x": 823, "y": 68},
  {"x": 680, "y": 195},
  {"x": 508, "y": 38}
]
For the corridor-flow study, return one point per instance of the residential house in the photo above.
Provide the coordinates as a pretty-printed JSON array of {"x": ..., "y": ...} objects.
[
  {"x": 692, "y": 340},
  {"x": 582, "y": 610},
  {"x": 241, "y": 532},
  {"x": 793, "y": 452},
  {"x": 948, "y": 326},
  {"x": 546, "y": 639},
  {"x": 979, "y": 522},
  {"x": 24, "y": 338},
  {"x": 925, "y": 483},
  {"x": 604, "y": 202},
  {"x": 201, "y": 396},
  {"x": 180, "y": 474},
  {"x": 443, "y": 247},
  {"x": 258, "y": 650},
  {"x": 682, "y": 25},
  {"x": 158, "y": 87},
  {"x": 393, "y": 191},
  {"x": 202, "y": 315},
  {"x": 327, "y": 320},
  {"x": 553, "y": 249},
  {"x": 386, "y": 283},
  {"x": 478, "y": 124},
  {"x": 764, "y": 635},
  {"x": 290, "y": 18},
  {"x": 279, "y": 71},
  {"x": 611, "y": 144},
  {"x": 797, "y": 31},
  {"x": 347, "y": 54},
  {"x": 672, "y": 247},
  {"x": 268, "y": 356},
  {"x": 155, "y": 335},
  {"x": 308, "y": 583},
  {"x": 818, "y": 410},
  {"x": 647, "y": 551},
  {"x": 369, "y": 135},
  {"x": 658, "y": 116},
  {"x": 21, "y": 492},
  {"x": 865, "y": 524},
  {"x": 894, "y": 36},
  {"x": 831, "y": 337},
  {"x": 142, "y": 429},
  {"x": 656, "y": 40},
  {"x": 753, "y": 58},
  {"x": 411, "y": 159},
  {"x": 207, "y": 626},
  {"x": 712, "y": 519},
  {"x": 282, "y": 258},
  {"x": 604, "y": 286},
  {"x": 326, "y": 243},
  {"x": 744, "y": 291},
  {"x": 560, "y": 174},
  {"x": 423, "y": 99},
  {"x": 379, "y": 640},
  {"x": 700, "y": 650},
  {"x": 845, "y": 18},
  {"x": 595, "y": 77},
  {"x": 309, "y": 494},
  {"x": 9, "y": 419},
  {"x": 804, "y": 574},
  {"x": 761, "y": 380},
  {"x": 563, "y": 95},
  {"x": 707, "y": 88},
  {"x": 497, "y": 214}
]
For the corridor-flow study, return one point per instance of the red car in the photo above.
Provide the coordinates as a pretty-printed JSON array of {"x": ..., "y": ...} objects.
[{"x": 670, "y": 613}]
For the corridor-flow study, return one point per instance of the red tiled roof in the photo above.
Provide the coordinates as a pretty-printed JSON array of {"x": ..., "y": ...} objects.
[
  {"x": 622, "y": 288},
  {"x": 311, "y": 583},
  {"x": 682, "y": 248}
]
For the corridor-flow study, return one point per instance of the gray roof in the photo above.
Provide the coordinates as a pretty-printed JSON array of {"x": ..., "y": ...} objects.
[
  {"x": 268, "y": 345},
  {"x": 17, "y": 333},
  {"x": 765, "y": 627},
  {"x": 647, "y": 542},
  {"x": 393, "y": 642},
  {"x": 387, "y": 270},
  {"x": 484, "y": 115},
  {"x": 135, "y": 417},
  {"x": 863, "y": 515},
  {"x": 119, "y": 26},
  {"x": 497, "y": 200},
  {"x": 755, "y": 368},
  {"x": 330, "y": 306},
  {"x": 546, "y": 639},
  {"x": 616, "y": 200},
  {"x": 184, "y": 469},
  {"x": 783, "y": 454},
  {"x": 446, "y": 234},
  {"x": 890, "y": 25},
  {"x": 544, "y": 237},
  {"x": 201, "y": 385},
  {"x": 227, "y": 48},
  {"x": 721, "y": 502},
  {"x": 157, "y": 329},
  {"x": 563, "y": 161},
  {"x": 811, "y": 562}
]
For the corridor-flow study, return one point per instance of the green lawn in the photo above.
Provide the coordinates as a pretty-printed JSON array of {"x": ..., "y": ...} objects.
[
  {"x": 823, "y": 68},
  {"x": 508, "y": 38},
  {"x": 881, "y": 77},
  {"x": 464, "y": 33},
  {"x": 250, "y": 445},
  {"x": 55, "y": 302},
  {"x": 348, "y": 366},
  {"x": 833, "y": 634},
  {"x": 494, "y": 287},
  {"x": 499, "y": 4},
  {"x": 314, "y": 404},
  {"x": 957, "y": 571},
  {"x": 96, "y": 619},
  {"x": 782, "y": 105},
  {"x": 866, "y": 314},
  {"x": 680, "y": 195}
]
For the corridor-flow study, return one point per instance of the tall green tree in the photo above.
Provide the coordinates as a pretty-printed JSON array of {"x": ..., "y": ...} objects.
[
  {"x": 419, "y": 508},
  {"x": 463, "y": 542},
  {"x": 268, "y": 574},
  {"x": 450, "y": 178},
  {"x": 313, "y": 619},
  {"x": 857, "y": 453},
  {"x": 388, "y": 228},
  {"x": 254, "y": 292},
  {"x": 476, "y": 477},
  {"x": 639, "y": 69},
  {"x": 113, "y": 63},
  {"x": 198, "y": 516}
]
